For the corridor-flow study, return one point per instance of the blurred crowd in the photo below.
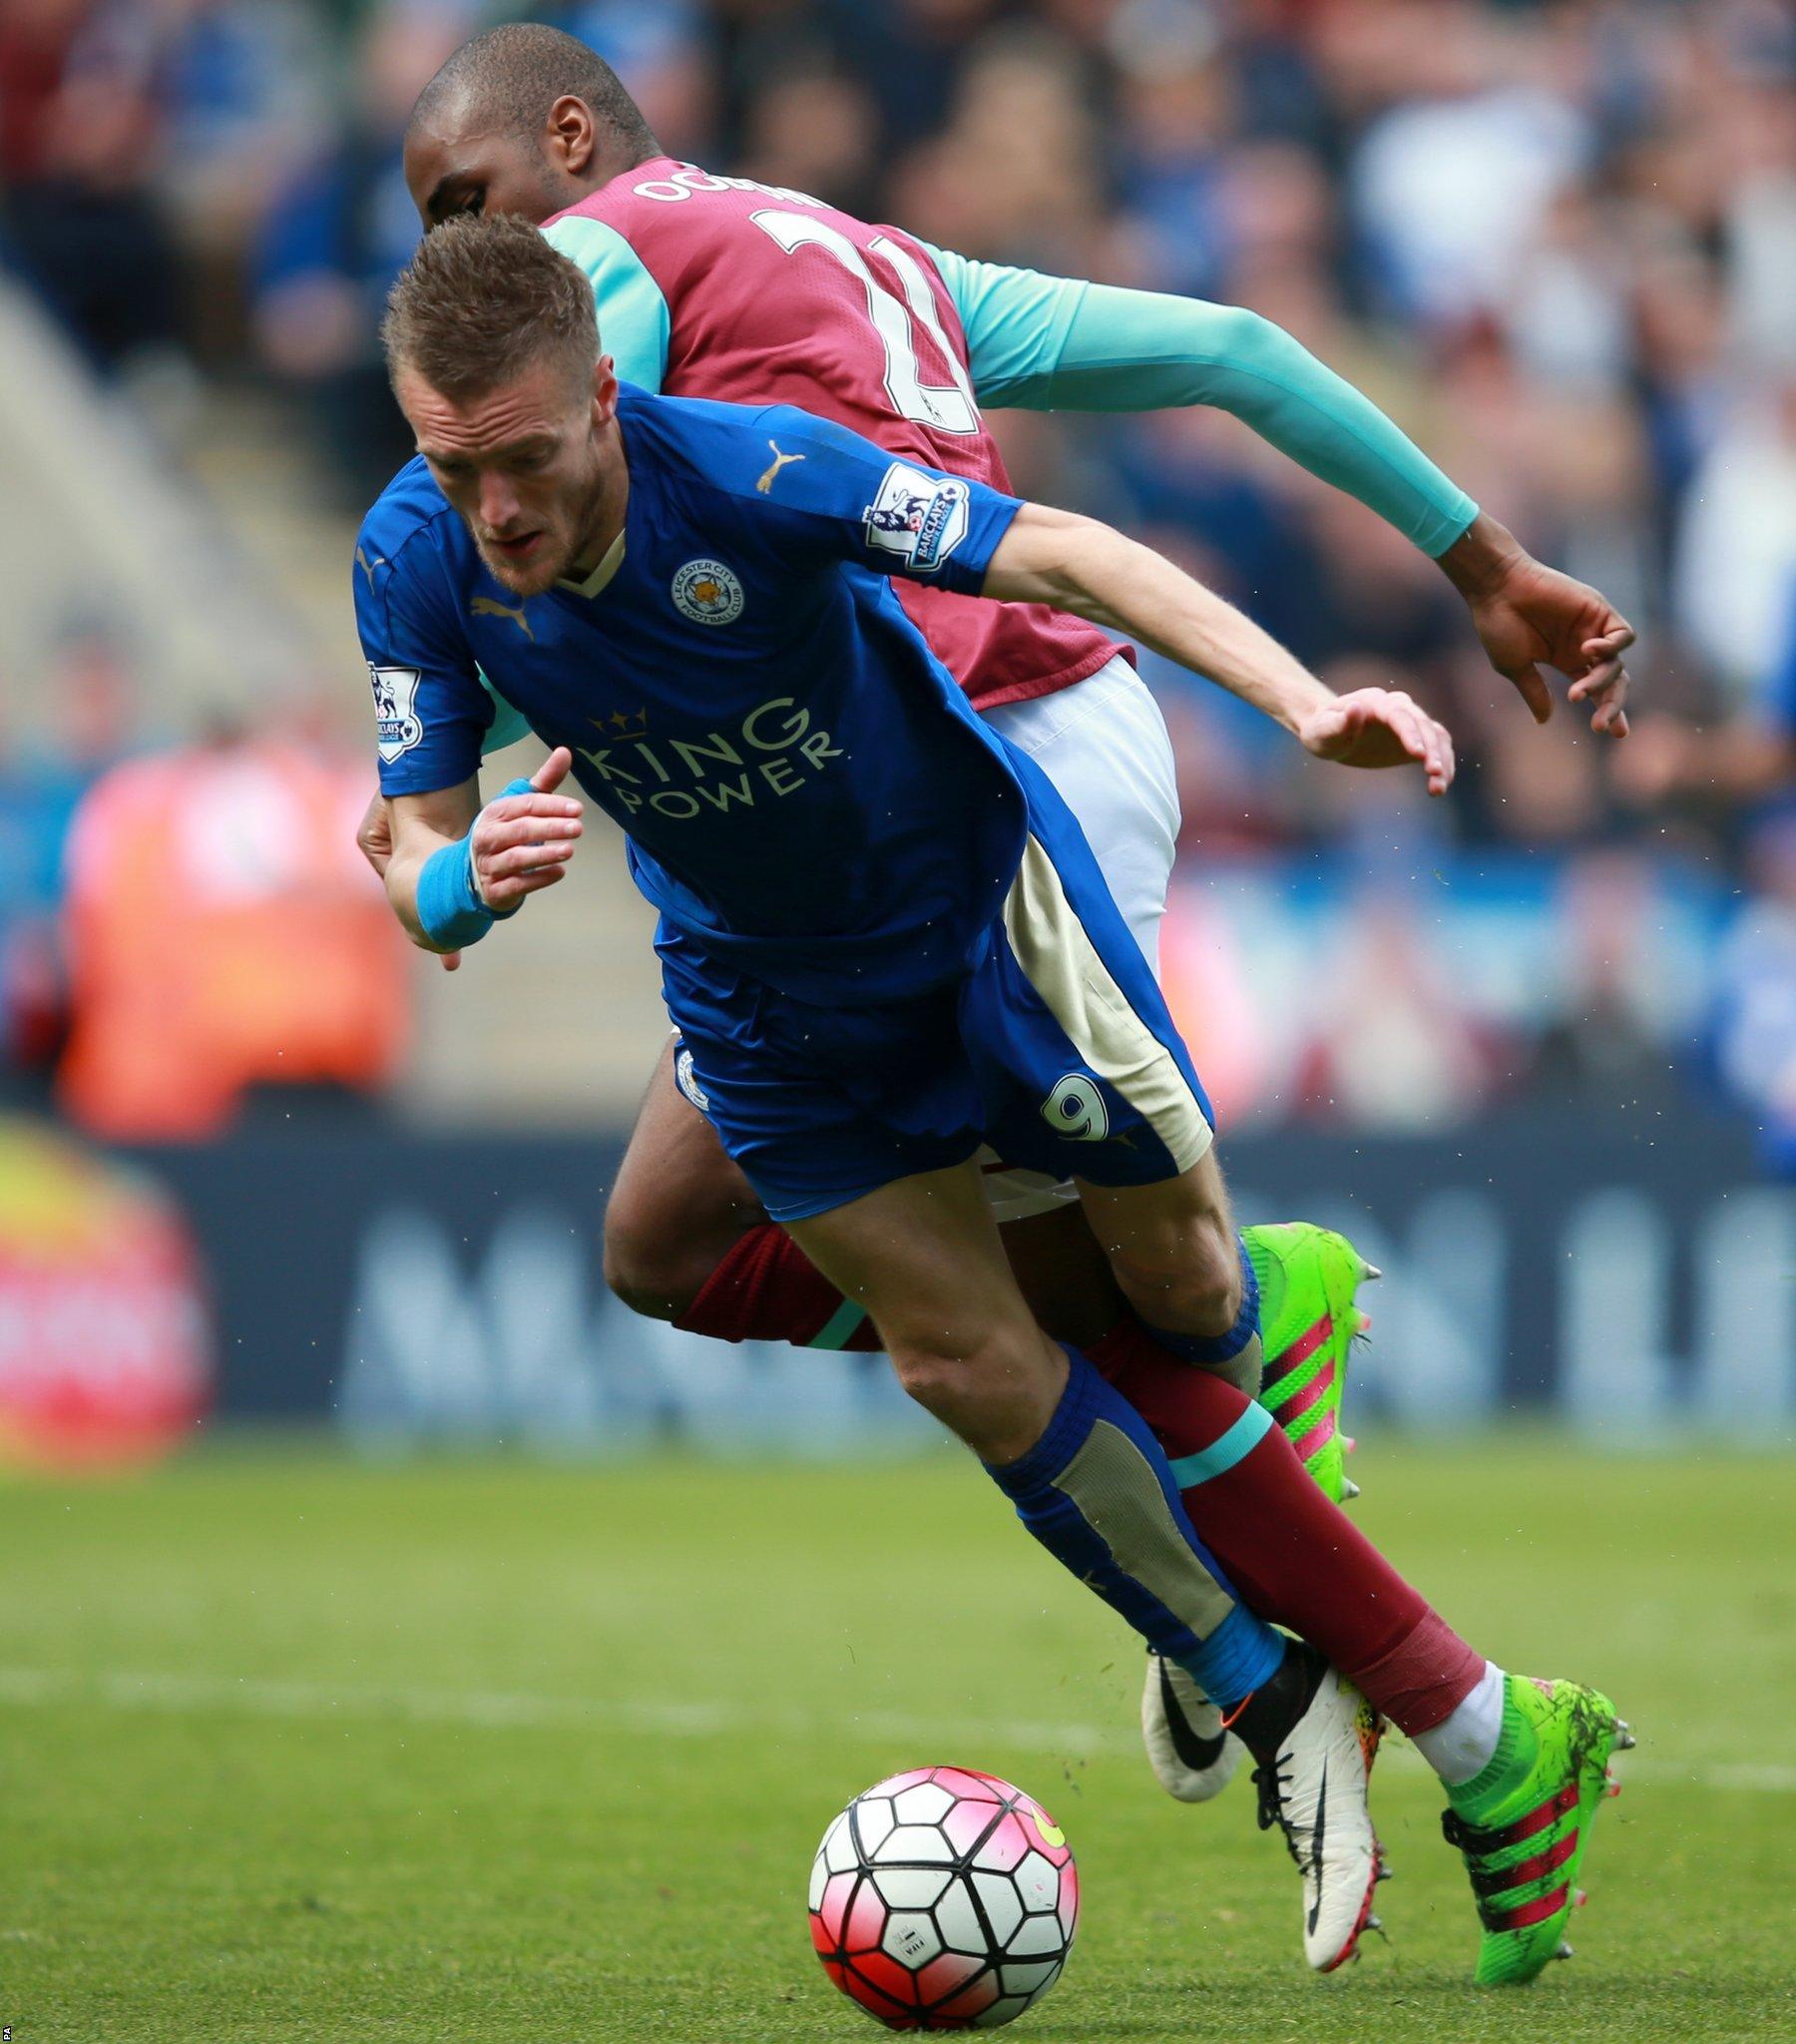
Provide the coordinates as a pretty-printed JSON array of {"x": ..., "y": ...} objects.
[
  {"x": 1557, "y": 243},
  {"x": 186, "y": 926}
]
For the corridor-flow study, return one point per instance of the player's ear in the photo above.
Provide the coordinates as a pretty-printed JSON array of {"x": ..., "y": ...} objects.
[
  {"x": 571, "y": 138},
  {"x": 605, "y": 390}
]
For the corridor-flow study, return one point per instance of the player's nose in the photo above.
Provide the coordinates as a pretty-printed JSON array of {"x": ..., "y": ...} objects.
[{"x": 498, "y": 503}]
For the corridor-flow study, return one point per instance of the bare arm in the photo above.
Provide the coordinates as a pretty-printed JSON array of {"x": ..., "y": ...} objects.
[
  {"x": 1075, "y": 564},
  {"x": 418, "y": 825},
  {"x": 518, "y": 843}
]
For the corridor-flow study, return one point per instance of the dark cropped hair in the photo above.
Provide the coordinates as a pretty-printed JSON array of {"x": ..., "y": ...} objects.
[
  {"x": 485, "y": 298},
  {"x": 512, "y": 75}
]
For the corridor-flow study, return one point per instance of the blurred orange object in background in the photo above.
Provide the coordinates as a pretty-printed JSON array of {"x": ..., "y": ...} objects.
[{"x": 223, "y": 933}]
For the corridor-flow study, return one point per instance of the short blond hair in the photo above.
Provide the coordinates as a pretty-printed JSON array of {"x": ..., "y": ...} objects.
[{"x": 484, "y": 299}]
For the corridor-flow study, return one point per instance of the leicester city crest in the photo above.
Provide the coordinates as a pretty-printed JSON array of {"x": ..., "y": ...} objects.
[{"x": 708, "y": 593}]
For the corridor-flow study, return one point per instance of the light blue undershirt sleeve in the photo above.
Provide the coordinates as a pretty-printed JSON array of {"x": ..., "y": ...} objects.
[
  {"x": 507, "y": 724},
  {"x": 1050, "y": 344},
  {"x": 633, "y": 330},
  {"x": 632, "y": 312}
]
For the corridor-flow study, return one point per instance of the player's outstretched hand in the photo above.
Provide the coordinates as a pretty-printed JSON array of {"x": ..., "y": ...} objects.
[
  {"x": 521, "y": 842},
  {"x": 1536, "y": 614},
  {"x": 1380, "y": 727},
  {"x": 1527, "y": 614}
]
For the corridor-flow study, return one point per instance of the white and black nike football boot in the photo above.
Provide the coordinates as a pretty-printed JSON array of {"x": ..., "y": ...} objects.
[
  {"x": 1314, "y": 1788},
  {"x": 1192, "y": 1756}
]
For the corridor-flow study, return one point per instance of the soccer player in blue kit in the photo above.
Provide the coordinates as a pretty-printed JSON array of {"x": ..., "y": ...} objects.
[{"x": 883, "y": 937}]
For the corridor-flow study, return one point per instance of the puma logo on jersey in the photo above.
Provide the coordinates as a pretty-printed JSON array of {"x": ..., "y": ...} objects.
[
  {"x": 491, "y": 606},
  {"x": 366, "y": 566},
  {"x": 766, "y": 482}
]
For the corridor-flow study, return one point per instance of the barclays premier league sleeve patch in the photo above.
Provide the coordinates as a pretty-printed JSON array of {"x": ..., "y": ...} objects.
[
  {"x": 920, "y": 518},
  {"x": 396, "y": 725}
]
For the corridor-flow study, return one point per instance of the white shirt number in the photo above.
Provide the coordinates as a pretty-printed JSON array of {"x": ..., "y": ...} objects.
[{"x": 947, "y": 407}]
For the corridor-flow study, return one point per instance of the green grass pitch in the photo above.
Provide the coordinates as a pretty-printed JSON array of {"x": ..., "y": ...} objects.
[{"x": 297, "y": 1749}]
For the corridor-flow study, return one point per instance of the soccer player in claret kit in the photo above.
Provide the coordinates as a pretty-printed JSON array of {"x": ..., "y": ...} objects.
[
  {"x": 719, "y": 288},
  {"x": 884, "y": 939}
]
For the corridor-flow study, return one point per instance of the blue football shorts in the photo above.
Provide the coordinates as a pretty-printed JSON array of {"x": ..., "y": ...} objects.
[{"x": 1055, "y": 1047}]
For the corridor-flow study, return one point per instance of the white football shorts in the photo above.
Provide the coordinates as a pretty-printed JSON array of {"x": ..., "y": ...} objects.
[{"x": 1103, "y": 744}]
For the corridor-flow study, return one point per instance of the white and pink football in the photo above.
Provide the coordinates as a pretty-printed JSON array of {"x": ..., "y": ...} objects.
[{"x": 944, "y": 1900}]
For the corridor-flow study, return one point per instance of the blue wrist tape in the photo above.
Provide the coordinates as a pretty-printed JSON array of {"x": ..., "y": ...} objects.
[
  {"x": 451, "y": 913},
  {"x": 450, "y": 909}
]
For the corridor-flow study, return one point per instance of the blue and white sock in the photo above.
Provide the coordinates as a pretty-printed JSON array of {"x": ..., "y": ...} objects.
[{"x": 1097, "y": 1493}]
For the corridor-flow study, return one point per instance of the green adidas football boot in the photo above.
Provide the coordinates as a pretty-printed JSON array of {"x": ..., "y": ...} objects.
[
  {"x": 1524, "y": 1824},
  {"x": 1309, "y": 1281}
]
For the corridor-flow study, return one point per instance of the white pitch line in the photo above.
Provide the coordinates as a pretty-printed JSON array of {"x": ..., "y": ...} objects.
[
  {"x": 506, "y": 1709},
  {"x": 503, "y": 1710}
]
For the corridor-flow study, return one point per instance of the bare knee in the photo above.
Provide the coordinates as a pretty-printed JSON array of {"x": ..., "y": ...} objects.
[
  {"x": 942, "y": 1384},
  {"x": 1189, "y": 1280},
  {"x": 997, "y": 1393},
  {"x": 659, "y": 1255},
  {"x": 653, "y": 1274}
]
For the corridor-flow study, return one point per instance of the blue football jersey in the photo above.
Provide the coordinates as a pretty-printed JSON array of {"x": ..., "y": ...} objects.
[{"x": 807, "y": 793}]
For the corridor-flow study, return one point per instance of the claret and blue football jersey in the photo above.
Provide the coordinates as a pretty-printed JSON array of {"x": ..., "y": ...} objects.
[{"x": 806, "y": 791}]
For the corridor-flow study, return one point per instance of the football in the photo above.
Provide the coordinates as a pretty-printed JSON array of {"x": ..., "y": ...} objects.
[{"x": 944, "y": 1900}]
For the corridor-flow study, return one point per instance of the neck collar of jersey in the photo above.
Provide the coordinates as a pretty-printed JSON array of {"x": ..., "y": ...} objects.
[{"x": 601, "y": 575}]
